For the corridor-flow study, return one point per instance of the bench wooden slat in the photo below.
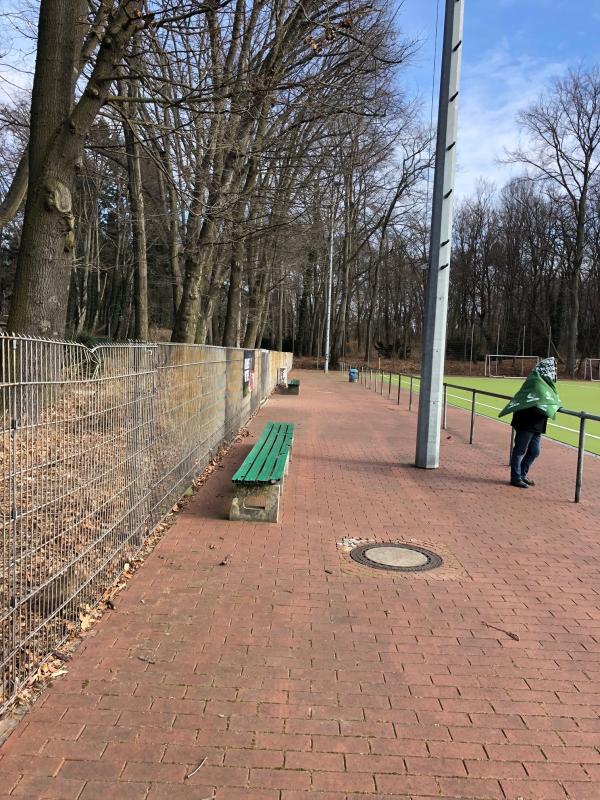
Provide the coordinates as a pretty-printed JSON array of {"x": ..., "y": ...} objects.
[
  {"x": 248, "y": 462},
  {"x": 253, "y": 474},
  {"x": 269, "y": 472},
  {"x": 283, "y": 457},
  {"x": 266, "y": 461}
]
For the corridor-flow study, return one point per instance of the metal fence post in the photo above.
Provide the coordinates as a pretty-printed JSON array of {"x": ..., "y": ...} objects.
[
  {"x": 474, "y": 393},
  {"x": 580, "y": 453},
  {"x": 390, "y": 386},
  {"x": 410, "y": 394},
  {"x": 8, "y": 678},
  {"x": 399, "y": 384}
]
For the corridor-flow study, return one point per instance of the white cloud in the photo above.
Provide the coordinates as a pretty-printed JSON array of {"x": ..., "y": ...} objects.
[{"x": 494, "y": 90}]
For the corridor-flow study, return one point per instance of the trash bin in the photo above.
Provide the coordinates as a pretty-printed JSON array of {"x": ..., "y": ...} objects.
[{"x": 353, "y": 375}]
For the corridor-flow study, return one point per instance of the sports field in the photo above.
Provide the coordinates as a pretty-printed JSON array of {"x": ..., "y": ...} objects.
[{"x": 575, "y": 395}]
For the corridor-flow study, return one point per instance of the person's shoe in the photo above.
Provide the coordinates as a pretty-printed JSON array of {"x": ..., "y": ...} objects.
[
  {"x": 520, "y": 483},
  {"x": 528, "y": 481}
]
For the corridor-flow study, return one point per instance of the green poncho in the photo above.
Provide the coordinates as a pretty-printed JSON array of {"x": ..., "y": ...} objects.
[{"x": 538, "y": 391}]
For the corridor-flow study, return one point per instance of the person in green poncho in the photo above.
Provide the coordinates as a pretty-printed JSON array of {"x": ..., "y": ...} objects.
[{"x": 536, "y": 401}]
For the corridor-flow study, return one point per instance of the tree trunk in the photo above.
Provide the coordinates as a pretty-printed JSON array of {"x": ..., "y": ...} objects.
[
  {"x": 573, "y": 334},
  {"x": 39, "y": 303},
  {"x": 231, "y": 334},
  {"x": 280, "y": 315},
  {"x": 138, "y": 228},
  {"x": 16, "y": 192},
  {"x": 57, "y": 137},
  {"x": 257, "y": 302},
  {"x": 574, "y": 282}
]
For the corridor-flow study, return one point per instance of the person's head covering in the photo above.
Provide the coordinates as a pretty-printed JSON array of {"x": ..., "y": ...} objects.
[{"x": 547, "y": 369}]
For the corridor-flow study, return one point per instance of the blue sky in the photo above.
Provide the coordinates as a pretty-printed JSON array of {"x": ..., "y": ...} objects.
[{"x": 512, "y": 49}]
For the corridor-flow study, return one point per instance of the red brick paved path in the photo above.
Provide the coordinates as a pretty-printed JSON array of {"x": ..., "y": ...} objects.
[{"x": 297, "y": 673}]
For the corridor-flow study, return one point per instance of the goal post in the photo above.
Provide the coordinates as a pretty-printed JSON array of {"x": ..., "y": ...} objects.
[
  {"x": 591, "y": 369},
  {"x": 509, "y": 365}
]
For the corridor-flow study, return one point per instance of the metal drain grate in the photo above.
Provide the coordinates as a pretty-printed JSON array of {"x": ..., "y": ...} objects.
[{"x": 395, "y": 557}]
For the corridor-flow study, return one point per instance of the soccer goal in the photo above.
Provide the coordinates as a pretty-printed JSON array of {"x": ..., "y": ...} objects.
[
  {"x": 591, "y": 369},
  {"x": 503, "y": 365}
]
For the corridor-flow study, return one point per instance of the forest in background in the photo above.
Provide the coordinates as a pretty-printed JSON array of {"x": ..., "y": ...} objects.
[{"x": 181, "y": 169}]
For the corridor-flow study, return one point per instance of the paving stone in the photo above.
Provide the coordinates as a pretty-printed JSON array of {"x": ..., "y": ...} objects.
[{"x": 298, "y": 673}]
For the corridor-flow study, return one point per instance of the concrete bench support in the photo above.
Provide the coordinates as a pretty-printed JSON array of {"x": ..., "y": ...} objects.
[{"x": 256, "y": 503}]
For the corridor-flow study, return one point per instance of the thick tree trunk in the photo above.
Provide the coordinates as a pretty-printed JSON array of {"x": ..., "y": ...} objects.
[
  {"x": 41, "y": 291},
  {"x": 57, "y": 136},
  {"x": 257, "y": 303},
  {"x": 233, "y": 318}
]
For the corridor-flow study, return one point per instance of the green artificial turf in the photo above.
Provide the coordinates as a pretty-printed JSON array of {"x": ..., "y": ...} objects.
[{"x": 575, "y": 396}]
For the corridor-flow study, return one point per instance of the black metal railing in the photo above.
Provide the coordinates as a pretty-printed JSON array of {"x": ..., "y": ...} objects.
[{"x": 374, "y": 378}]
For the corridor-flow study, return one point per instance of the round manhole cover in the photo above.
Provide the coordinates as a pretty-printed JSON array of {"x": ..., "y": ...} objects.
[{"x": 395, "y": 557}]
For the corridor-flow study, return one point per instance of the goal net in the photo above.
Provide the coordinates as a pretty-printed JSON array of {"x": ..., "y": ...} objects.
[
  {"x": 591, "y": 369},
  {"x": 502, "y": 365}
]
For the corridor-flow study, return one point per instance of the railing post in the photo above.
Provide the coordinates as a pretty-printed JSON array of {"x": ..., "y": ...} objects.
[
  {"x": 382, "y": 379},
  {"x": 390, "y": 386},
  {"x": 472, "y": 415},
  {"x": 410, "y": 394},
  {"x": 399, "y": 384},
  {"x": 580, "y": 454}
]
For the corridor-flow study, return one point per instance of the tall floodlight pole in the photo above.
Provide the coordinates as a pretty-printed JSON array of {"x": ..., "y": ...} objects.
[
  {"x": 436, "y": 299},
  {"x": 329, "y": 288}
]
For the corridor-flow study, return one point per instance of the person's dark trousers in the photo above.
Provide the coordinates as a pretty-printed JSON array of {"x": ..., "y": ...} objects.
[{"x": 526, "y": 449}]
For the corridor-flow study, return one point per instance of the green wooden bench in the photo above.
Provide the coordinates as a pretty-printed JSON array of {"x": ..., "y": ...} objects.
[{"x": 259, "y": 480}]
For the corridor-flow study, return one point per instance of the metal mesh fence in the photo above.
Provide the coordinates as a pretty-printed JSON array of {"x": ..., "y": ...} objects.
[{"x": 96, "y": 446}]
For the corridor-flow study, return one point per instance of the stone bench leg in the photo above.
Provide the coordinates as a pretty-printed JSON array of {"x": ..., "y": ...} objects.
[{"x": 265, "y": 507}]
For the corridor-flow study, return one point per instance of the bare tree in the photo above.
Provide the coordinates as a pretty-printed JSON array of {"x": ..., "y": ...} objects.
[
  {"x": 564, "y": 152},
  {"x": 59, "y": 126}
]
